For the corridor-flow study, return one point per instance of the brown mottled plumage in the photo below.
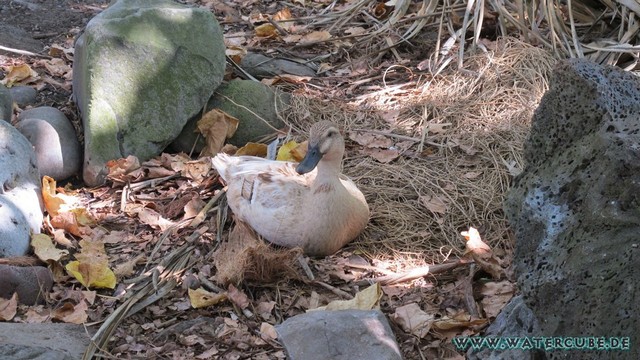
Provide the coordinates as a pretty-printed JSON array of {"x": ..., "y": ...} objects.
[{"x": 311, "y": 205}]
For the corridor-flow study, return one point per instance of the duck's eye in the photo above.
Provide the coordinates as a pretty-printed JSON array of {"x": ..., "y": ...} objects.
[{"x": 330, "y": 134}]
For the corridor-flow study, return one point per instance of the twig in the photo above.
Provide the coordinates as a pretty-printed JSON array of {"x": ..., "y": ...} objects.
[
  {"x": 23, "y": 52},
  {"x": 397, "y": 136},
  {"x": 334, "y": 290},
  {"x": 414, "y": 273},
  {"x": 305, "y": 266}
]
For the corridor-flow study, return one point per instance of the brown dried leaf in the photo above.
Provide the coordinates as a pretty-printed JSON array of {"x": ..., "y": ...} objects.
[
  {"x": 44, "y": 249},
  {"x": 315, "y": 36},
  {"x": 193, "y": 207},
  {"x": 496, "y": 296},
  {"x": 216, "y": 126},
  {"x": 371, "y": 140},
  {"x": 117, "y": 169},
  {"x": 74, "y": 314},
  {"x": 8, "y": 307},
  {"x": 238, "y": 297},
  {"x": 413, "y": 320},
  {"x": 268, "y": 331},
  {"x": 382, "y": 155},
  {"x": 436, "y": 204},
  {"x": 153, "y": 218}
]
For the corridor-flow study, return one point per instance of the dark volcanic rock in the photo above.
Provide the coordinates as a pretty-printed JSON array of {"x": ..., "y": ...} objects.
[{"x": 576, "y": 208}]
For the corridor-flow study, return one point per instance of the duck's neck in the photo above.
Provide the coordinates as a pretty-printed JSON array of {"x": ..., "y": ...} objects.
[{"x": 328, "y": 171}]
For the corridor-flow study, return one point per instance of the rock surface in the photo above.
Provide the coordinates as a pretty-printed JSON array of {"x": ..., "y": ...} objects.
[
  {"x": 42, "y": 341},
  {"x": 142, "y": 69},
  {"x": 234, "y": 98},
  {"x": 575, "y": 208},
  {"x": 54, "y": 139},
  {"x": 23, "y": 95},
  {"x": 6, "y": 104},
  {"x": 20, "y": 192},
  {"x": 30, "y": 282},
  {"x": 344, "y": 334}
]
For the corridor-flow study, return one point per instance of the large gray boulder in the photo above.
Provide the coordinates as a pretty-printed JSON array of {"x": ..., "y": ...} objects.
[
  {"x": 338, "y": 335},
  {"x": 576, "y": 208},
  {"x": 54, "y": 139},
  {"x": 142, "y": 69},
  {"x": 20, "y": 192},
  {"x": 256, "y": 106}
]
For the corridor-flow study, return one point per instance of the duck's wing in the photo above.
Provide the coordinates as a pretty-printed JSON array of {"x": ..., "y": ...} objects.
[{"x": 263, "y": 193}]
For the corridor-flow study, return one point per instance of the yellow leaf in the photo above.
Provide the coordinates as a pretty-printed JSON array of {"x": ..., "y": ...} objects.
[
  {"x": 91, "y": 267},
  {"x": 292, "y": 151},
  {"x": 216, "y": 126},
  {"x": 18, "y": 73},
  {"x": 366, "y": 299},
  {"x": 253, "y": 149},
  {"x": 200, "y": 298},
  {"x": 44, "y": 249},
  {"x": 299, "y": 152},
  {"x": 266, "y": 30}
]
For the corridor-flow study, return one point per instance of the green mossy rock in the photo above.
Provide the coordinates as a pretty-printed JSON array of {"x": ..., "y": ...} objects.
[
  {"x": 251, "y": 102},
  {"x": 142, "y": 69}
]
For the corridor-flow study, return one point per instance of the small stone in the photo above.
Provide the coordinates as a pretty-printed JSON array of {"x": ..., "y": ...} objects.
[
  {"x": 30, "y": 282},
  {"x": 343, "y": 334},
  {"x": 54, "y": 139},
  {"x": 23, "y": 95}
]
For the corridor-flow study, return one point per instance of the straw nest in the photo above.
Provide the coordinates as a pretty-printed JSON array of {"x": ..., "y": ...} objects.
[{"x": 452, "y": 177}]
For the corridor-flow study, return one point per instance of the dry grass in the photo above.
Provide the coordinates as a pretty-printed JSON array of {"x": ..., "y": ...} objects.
[
  {"x": 605, "y": 31},
  {"x": 466, "y": 168}
]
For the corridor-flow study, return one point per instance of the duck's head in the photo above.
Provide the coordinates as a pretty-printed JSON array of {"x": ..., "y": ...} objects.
[{"x": 325, "y": 144}]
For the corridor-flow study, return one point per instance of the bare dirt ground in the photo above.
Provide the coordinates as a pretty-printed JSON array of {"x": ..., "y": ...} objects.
[{"x": 460, "y": 136}]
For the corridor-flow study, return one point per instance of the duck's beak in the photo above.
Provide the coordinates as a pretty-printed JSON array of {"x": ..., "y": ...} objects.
[{"x": 310, "y": 160}]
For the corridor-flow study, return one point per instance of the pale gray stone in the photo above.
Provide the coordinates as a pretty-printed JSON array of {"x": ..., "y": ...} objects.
[
  {"x": 54, "y": 139},
  {"x": 575, "y": 207},
  {"x": 336, "y": 335},
  {"x": 19, "y": 180},
  {"x": 142, "y": 68},
  {"x": 43, "y": 341}
]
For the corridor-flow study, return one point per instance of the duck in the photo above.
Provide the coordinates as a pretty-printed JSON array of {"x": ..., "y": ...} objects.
[{"x": 310, "y": 205}]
